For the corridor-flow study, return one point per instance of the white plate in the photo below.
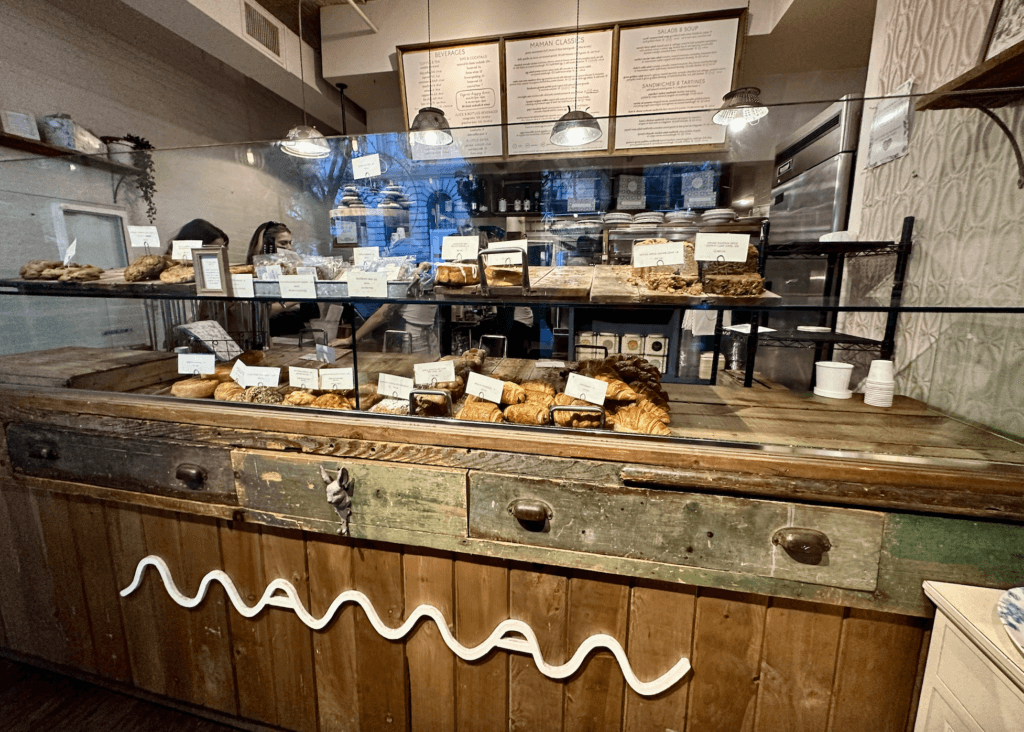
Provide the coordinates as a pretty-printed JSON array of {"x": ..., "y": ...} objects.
[{"x": 814, "y": 328}]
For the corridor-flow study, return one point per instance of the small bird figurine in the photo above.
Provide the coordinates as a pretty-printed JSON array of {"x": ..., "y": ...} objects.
[{"x": 339, "y": 495}]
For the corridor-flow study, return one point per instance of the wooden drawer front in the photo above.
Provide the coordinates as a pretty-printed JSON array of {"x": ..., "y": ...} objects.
[
  {"x": 713, "y": 532},
  {"x": 129, "y": 463},
  {"x": 987, "y": 695},
  {"x": 385, "y": 495}
]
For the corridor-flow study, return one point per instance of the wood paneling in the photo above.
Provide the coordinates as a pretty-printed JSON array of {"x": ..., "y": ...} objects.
[{"x": 481, "y": 602}]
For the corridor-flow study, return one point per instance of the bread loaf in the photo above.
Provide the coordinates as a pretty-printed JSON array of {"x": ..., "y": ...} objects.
[
  {"x": 331, "y": 401},
  {"x": 504, "y": 276},
  {"x": 229, "y": 391},
  {"x": 391, "y": 406},
  {"x": 194, "y": 388},
  {"x": 299, "y": 398},
  {"x": 262, "y": 395},
  {"x": 457, "y": 274},
  {"x": 178, "y": 274}
]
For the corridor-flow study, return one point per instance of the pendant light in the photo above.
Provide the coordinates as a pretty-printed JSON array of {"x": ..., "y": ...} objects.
[
  {"x": 576, "y": 127},
  {"x": 430, "y": 126},
  {"x": 741, "y": 107},
  {"x": 304, "y": 141}
]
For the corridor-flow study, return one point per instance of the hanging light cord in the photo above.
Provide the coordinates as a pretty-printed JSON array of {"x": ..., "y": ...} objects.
[
  {"x": 576, "y": 87},
  {"x": 430, "y": 66},
  {"x": 302, "y": 73}
]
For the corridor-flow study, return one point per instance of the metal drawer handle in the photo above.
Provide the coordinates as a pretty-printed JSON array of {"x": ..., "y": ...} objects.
[
  {"x": 530, "y": 511},
  {"x": 193, "y": 475},
  {"x": 806, "y": 546},
  {"x": 44, "y": 453}
]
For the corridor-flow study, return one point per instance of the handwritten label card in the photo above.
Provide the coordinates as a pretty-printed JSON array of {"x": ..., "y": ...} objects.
[
  {"x": 144, "y": 237},
  {"x": 303, "y": 378},
  {"x": 485, "y": 387},
  {"x": 181, "y": 249},
  {"x": 368, "y": 284},
  {"x": 434, "y": 373},
  {"x": 721, "y": 247},
  {"x": 261, "y": 376},
  {"x": 394, "y": 387},
  {"x": 298, "y": 287},
  {"x": 510, "y": 258},
  {"x": 196, "y": 363},
  {"x": 365, "y": 254},
  {"x": 336, "y": 379},
  {"x": 241, "y": 286},
  {"x": 238, "y": 373},
  {"x": 587, "y": 389},
  {"x": 367, "y": 166},
  {"x": 654, "y": 255},
  {"x": 459, "y": 248},
  {"x": 211, "y": 273}
]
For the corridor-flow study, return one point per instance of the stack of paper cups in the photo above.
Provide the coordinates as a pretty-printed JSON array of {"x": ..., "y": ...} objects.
[{"x": 879, "y": 386}]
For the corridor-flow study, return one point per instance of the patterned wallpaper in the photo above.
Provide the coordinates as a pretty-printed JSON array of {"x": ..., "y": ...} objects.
[{"x": 959, "y": 180}]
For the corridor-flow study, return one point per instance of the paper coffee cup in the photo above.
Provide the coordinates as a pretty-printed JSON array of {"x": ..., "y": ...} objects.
[
  {"x": 833, "y": 376},
  {"x": 881, "y": 371}
]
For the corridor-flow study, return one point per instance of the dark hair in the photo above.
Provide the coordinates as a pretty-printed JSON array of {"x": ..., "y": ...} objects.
[
  {"x": 262, "y": 241},
  {"x": 198, "y": 230}
]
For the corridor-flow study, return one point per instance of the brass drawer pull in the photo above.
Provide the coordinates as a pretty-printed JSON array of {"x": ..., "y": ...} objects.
[
  {"x": 193, "y": 475},
  {"x": 529, "y": 511},
  {"x": 807, "y": 546}
]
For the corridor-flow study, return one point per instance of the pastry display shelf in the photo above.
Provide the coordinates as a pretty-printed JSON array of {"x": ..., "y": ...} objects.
[
  {"x": 35, "y": 147},
  {"x": 811, "y": 339},
  {"x": 814, "y": 249}
]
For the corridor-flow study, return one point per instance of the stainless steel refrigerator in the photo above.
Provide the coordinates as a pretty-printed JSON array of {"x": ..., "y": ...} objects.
[{"x": 810, "y": 197}]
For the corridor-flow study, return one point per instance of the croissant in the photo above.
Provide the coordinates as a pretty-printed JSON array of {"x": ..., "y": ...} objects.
[
  {"x": 536, "y": 397},
  {"x": 528, "y": 413},
  {"x": 650, "y": 393},
  {"x": 661, "y": 413},
  {"x": 480, "y": 411},
  {"x": 536, "y": 385},
  {"x": 618, "y": 390},
  {"x": 331, "y": 401},
  {"x": 512, "y": 393},
  {"x": 575, "y": 419},
  {"x": 635, "y": 419}
]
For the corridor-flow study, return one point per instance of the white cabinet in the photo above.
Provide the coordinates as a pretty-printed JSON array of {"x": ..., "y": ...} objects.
[{"x": 974, "y": 680}]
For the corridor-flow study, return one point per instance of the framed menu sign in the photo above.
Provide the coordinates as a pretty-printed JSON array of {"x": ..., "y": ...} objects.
[
  {"x": 465, "y": 83},
  {"x": 666, "y": 70},
  {"x": 542, "y": 83}
]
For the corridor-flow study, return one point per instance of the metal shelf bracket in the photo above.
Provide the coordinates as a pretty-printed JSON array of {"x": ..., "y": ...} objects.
[{"x": 1009, "y": 136}]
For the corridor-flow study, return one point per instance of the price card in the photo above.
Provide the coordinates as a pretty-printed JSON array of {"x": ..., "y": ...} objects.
[
  {"x": 653, "y": 255},
  {"x": 513, "y": 258},
  {"x": 298, "y": 287},
  {"x": 270, "y": 273},
  {"x": 196, "y": 363},
  {"x": 485, "y": 387},
  {"x": 394, "y": 387},
  {"x": 587, "y": 389},
  {"x": 325, "y": 354},
  {"x": 367, "y": 166},
  {"x": 181, "y": 249},
  {"x": 434, "y": 373},
  {"x": 261, "y": 376},
  {"x": 241, "y": 286},
  {"x": 581, "y": 204},
  {"x": 69, "y": 253},
  {"x": 459, "y": 248},
  {"x": 365, "y": 254},
  {"x": 144, "y": 237},
  {"x": 336, "y": 379},
  {"x": 368, "y": 284},
  {"x": 311, "y": 271},
  {"x": 721, "y": 247},
  {"x": 551, "y": 364},
  {"x": 238, "y": 373},
  {"x": 303, "y": 378}
]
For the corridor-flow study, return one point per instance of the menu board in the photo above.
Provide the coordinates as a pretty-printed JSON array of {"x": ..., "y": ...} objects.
[
  {"x": 542, "y": 83},
  {"x": 668, "y": 68},
  {"x": 465, "y": 83}
]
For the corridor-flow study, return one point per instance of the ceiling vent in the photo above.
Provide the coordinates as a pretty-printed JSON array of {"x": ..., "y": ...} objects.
[{"x": 262, "y": 30}]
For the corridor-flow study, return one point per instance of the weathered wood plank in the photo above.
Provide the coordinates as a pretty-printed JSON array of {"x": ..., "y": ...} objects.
[
  {"x": 381, "y": 681},
  {"x": 334, "y": 647},
  {"x": 429, "y": 580},
  {"x": 611, "y": 285},
  {"x": 801, "y": 644},
  {"x": 481, "y": 590},
  {"x": 660, "y": 633},
  {"x": 876, "y": 671},
  {"x": 65, "y": 570},
  {"x": 87, "y": 368},
  {"x": 594, "y": 696},
  {"x": 284, "y": 556},
  {"x": 538, "y": 596},
  {"x": 728, "y": 632},
  {"x": 565, "y": 283}
]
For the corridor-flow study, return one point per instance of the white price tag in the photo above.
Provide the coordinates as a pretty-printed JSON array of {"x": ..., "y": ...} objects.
[
  {"x": 459, "y": 248},
  {"x": 654, "y": 255},
  {"x": 368, "y": 284},
  {"x": 69, "y": 253},
  {"x": 181, "y": 249},
  {"x": 241, "y": 286},
  {"x": 365, "y": 254},
  {"x": 721, "y": 247},
  {"x": 485, "y": 387},
  {"x": 428, "y": 374},
  {"x": 310, "y": 271},
  {"x": 261, "y": 376},
  {"x": 587, "y": 389},
  {"x": 394, "y": 387},
  {"x": 325, "y": 354},
  {"x": 581, "y": 204},
  {"x": 144, "y": 237},
  {"x": 238, "y": 373},
  {"x": 196, "y": 363},
  {"x": 303, "y": 378},
  {"x": 551, "y": 364},
  {"x": 507, "y": 259},
  {"x": 298, "y": 287},
  {"x": 336, "y": 379},
  {"x": 367, "y": 166}
]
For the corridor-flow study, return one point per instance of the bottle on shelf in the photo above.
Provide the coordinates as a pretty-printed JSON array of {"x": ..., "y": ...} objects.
[
  {"x": 519, "y": 202},
  {"x": 527, "y": 203},
  {"x": 502, "y": 205}
]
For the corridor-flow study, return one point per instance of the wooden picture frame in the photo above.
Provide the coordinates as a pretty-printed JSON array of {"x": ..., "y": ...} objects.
[
  {"x": 1005, "y": 28},
  {"x": 213, "y": 276}
]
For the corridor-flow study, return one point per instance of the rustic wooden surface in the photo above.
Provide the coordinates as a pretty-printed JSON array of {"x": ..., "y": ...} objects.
[
  {"x": 563, "y": 283},
  {"x": 104, "y": 369},
  {"x": 611, "y": 285}
]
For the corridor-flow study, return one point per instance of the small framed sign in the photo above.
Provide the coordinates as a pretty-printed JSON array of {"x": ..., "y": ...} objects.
[
  {"x": 1005, "y": 28},
  {"x": 213, "y": 276}
]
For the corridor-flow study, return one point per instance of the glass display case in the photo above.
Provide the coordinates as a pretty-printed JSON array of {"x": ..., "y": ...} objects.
[{"x": 590, "y": 292}]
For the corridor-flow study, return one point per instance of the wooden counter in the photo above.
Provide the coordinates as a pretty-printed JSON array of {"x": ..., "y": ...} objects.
[{"x": 663, "y": 545}]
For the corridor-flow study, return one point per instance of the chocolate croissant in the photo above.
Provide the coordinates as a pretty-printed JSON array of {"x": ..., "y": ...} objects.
[
  {"x": 528, "y": 413},
  {"x": 635, "y": 419},
  {"x": 480, "y": 411},
  {"x": 542, "y": 387},
  {"x": 579, "y": 420},
  {"x": 512, "y": 393}
]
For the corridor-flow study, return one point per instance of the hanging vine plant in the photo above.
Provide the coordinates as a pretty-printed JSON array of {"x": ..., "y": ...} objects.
[{"x": 146, "y": 183}]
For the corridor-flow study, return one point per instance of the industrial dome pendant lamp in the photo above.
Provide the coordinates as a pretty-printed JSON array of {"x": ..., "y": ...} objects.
[
  {"x": 430, "y": 126},
  {"x": 741, "y": 107},
  {"x": 576, "y": 127},
  {"x": 304, "y": 141}
]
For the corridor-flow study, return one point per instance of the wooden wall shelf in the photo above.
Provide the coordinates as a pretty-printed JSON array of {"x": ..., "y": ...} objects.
[
  {"x": 16, "y": 142},
  {"x": 1004, "y": 70}
]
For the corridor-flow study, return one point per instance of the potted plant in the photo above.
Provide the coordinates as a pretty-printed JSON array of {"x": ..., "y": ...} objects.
[{"x": 135, "y": 151}]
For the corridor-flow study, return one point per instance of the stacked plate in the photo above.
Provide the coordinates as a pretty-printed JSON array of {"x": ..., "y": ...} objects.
[
  {"x": 394, "y": 198},
  {"x": 681, "y": 217},
  {"x": 618, "y": 217},
  {"x": 718, "y": 216},
  {"x": 649, "y": 217},
  {"x": 350, "y": 198}
]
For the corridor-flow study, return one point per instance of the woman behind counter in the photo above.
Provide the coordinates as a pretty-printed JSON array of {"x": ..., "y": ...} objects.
[
  {"x": 199, "y": 230},
  {"x": 286, "y": 318}
]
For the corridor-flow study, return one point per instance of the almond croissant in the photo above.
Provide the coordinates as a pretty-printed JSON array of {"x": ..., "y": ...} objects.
[
  {"x": 635, "y": 419},
  {"x": 528, "y": 413}
]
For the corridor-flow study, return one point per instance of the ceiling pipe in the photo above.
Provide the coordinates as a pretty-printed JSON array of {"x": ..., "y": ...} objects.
[{"x": 363, "y": 16}]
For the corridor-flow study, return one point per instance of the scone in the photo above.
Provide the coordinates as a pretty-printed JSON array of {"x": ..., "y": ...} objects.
[{"x": 145, "y": 268}]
